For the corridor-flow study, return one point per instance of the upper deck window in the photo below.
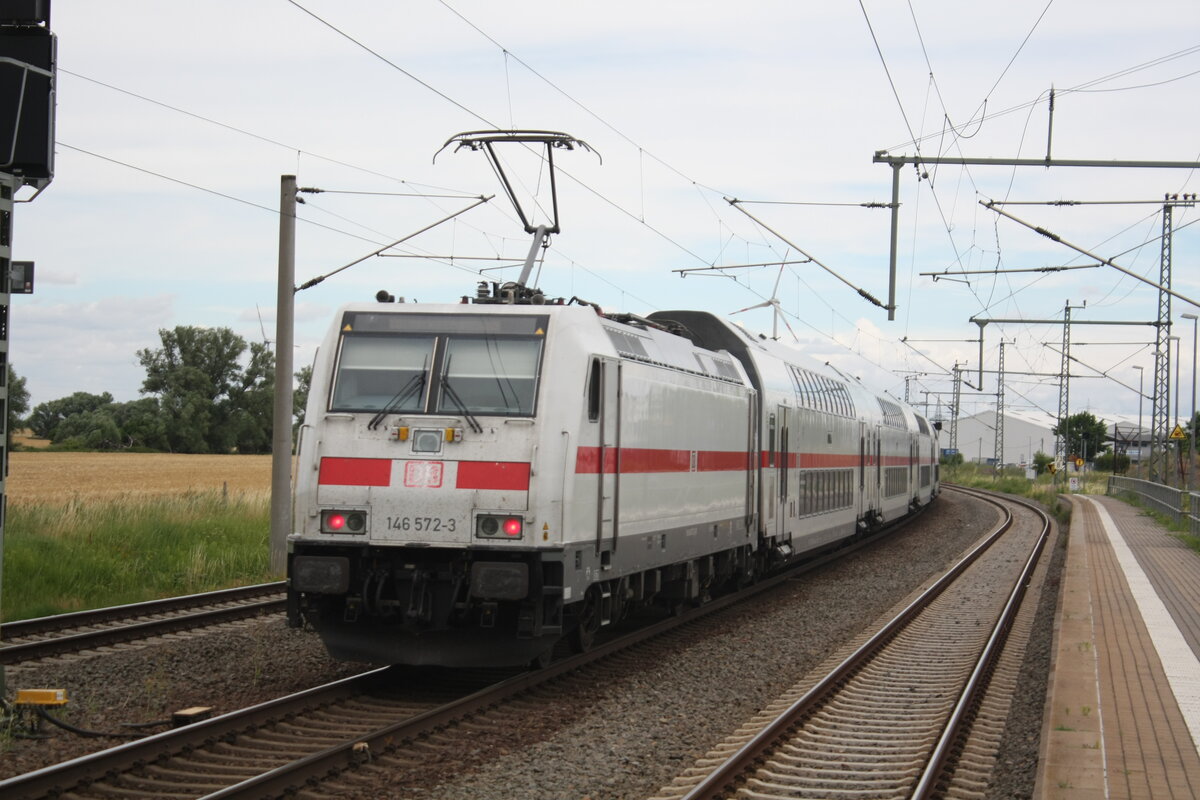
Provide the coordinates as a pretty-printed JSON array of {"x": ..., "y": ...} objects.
[
  {"x": 820, "y": 392},
  {"x": 438, "y": 363}
]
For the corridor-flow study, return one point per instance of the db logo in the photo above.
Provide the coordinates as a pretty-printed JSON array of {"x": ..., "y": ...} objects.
[{"x": 423, "y": 474}]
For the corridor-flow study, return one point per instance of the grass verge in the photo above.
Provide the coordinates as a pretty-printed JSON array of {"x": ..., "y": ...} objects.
[
  {"x": 1043, "y": 489},
  {"x": 61, "y": 557}
]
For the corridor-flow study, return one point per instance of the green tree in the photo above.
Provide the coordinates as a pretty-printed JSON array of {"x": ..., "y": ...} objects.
[
  {"x": 1041, "y": 461},
  {"x": 46, "y": 417},
  {"x": 210, "y": 402},
  {"x": 253, "y": 400},
  {"x": 141, "y": 424},
  {"x": 89, "y": 430},
  {"x": 1190, "y": 428},
  {"x": 300, "y": 395},
  {"x": 18, "y": 400},
  {"x": 1086, "y": 436}
]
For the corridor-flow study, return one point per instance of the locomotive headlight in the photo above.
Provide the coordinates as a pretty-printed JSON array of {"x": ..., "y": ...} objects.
[
  {"x": 343, "y": 522},
  {"x": 427, "y": 441}
]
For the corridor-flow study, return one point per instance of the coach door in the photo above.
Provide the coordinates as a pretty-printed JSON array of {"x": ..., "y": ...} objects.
[
  {"x": 608, "y": 487},
  {"x": 914, "y": 471},
  {"x": 775, "y": 473},
  {"x": 868, "y": 468},
  {"x": 785, "y": 471}
]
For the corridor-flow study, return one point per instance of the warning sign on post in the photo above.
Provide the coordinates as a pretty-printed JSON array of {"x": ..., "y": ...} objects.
[{"x": 1178, "y": 433}]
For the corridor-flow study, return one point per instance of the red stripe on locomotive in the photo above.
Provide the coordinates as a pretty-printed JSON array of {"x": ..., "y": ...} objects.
[
  {"x": 501, "y": 475},
  {"x": 355, "y": 472}
]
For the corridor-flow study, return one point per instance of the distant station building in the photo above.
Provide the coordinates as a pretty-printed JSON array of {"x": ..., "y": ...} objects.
[{"x": 1126, "y": 438}]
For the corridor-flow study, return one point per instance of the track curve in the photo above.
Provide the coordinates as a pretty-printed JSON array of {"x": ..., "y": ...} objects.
[{"x": 890, "y": 718}]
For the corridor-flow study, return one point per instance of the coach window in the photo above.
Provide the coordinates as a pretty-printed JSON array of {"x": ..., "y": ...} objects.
[{"x": 771, "y": 441}]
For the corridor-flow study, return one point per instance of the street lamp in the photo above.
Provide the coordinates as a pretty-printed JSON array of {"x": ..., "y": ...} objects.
[
  {"x": 1175, "y": 339},
  {"x": 1192, "y": 419},
  {"x": 1141, "y": 435}
]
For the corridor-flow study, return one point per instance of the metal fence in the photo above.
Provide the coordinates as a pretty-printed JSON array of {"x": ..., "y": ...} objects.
[{"x": 1172, "y": 502}]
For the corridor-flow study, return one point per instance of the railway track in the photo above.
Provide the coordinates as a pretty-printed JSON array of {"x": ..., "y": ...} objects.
[
  {"x": 894, "y": 718},
  {"x": 278, "y": 747},
  {"x": 44, "y": 637}
]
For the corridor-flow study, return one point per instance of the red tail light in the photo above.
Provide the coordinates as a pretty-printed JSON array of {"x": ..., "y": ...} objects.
[
  {"x": 343, "y": 521},
  {"x": 496, "y": 527}
]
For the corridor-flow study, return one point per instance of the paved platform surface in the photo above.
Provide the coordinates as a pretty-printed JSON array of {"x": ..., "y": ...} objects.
[{"x": 1123, "y": 709}]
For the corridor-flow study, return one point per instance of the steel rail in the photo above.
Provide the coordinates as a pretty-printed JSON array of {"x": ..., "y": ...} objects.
[
  {"x": 116, "y": 634},
  {"x": 991, "y": 652},
  {"x": 72, "y": 619},
  {"x": 58, "y": 779},
  {"x": 723, "y": 778}
]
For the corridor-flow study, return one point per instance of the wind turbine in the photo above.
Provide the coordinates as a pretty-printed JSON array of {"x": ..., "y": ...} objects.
[
  {"x": 263, "y": 327},
  {"x": 776, "y": 310}
]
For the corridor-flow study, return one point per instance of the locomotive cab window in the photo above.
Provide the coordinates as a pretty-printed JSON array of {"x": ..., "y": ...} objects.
[
  {"x": 489, "y": 376},
  {"x": 438, "y": 363},
  {"x": 376, "y": 371}
]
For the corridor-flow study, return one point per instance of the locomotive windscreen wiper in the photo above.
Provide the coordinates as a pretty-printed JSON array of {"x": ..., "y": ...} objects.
[
  {"x": 458, "y": 403},
  {"x": 415, "y": 384}
]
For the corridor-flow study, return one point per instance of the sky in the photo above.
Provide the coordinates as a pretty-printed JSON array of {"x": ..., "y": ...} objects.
[{"x": 175, "y": 123}]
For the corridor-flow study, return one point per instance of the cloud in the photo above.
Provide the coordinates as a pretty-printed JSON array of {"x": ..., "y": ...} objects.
[{"x": 62, "y": 348}]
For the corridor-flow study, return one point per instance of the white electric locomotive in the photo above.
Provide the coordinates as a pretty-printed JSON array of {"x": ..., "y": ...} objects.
[{"x": 477, "y": 481}]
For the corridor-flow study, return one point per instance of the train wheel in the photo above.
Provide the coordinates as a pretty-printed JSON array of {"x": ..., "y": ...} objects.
[{"x": 588, "y": 616}]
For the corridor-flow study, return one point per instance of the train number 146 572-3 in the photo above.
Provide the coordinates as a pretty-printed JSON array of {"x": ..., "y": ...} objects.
[{"x": 422, "y": 524}]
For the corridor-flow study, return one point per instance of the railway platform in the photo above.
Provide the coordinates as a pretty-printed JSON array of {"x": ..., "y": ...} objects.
[{"x": 1123, "y": 709}]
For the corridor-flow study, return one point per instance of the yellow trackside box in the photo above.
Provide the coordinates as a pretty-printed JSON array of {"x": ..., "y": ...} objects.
[{"x": 41, "y": 697}]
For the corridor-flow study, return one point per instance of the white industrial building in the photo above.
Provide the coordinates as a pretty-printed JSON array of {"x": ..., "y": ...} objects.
[{"x": 977, "y": 438}]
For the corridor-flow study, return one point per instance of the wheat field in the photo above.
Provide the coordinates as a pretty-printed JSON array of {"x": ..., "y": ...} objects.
[{"x": 52, "y": 477}]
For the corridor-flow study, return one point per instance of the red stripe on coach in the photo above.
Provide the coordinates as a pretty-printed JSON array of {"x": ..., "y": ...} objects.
[
  {"x": 502, "y": 475},
  {"x": 355, "y": 472},
  {"x": 646, "y": 460},
  {"x": 635, "y": 460},
  {"x": 723, "y": 461}
]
